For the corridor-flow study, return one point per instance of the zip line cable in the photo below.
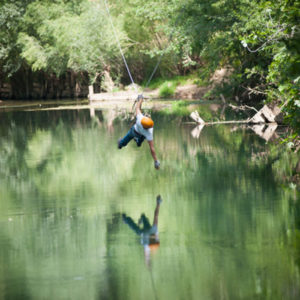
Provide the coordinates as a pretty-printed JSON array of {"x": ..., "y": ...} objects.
[
  {"x": 163, "y": 52},
  {"x": 159, "y": 60},
  {"x": 120, "y": 48},
  {"x": 154, "y": 70},
  {"x": 123, "y": 56}
]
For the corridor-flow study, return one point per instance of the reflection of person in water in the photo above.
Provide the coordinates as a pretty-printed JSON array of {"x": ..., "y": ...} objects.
[{"x": 148, "y": 233}]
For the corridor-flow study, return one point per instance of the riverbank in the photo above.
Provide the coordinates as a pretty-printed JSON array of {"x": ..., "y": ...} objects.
[{"x": 177, "y": 88}]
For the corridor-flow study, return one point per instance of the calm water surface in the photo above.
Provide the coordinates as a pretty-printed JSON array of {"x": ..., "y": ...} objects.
[{"x": 70, "y": 203}]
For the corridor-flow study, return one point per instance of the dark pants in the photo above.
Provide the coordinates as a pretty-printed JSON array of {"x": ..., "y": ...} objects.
[
  {"x": 131, "y": 134},
  {"x": 136, "y": 228}
]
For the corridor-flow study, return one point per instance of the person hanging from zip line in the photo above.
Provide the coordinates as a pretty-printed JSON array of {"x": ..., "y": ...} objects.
[{"x": 141, "y": 130}]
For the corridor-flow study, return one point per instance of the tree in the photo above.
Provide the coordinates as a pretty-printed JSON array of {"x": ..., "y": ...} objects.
[
  {"x": 58, "y": 36},
  {"x": 11, "y": 14}
]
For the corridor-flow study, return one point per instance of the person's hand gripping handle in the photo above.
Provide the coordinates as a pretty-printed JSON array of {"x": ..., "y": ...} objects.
[{"x": 156, "y": 164}]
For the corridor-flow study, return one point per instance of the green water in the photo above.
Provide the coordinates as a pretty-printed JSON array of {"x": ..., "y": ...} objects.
[{"x": 228, "y": 227}]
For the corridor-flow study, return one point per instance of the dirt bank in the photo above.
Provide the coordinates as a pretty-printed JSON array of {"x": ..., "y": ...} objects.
[{"x": 188, "y": 91}]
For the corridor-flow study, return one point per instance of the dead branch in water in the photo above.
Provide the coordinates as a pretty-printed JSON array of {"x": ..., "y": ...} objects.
[
  {"x": 195, "y": 116},
  {"x": 242, "y": 107},
  {"x": 263, "y": 116}
]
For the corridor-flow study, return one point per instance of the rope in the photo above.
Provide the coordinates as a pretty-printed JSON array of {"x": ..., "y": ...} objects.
[
  {"x": 124, "y": 59},
  {"x": 157, "y": 64},
  {"x": 159, "y": 60},
  {"x": 120, "y": 48},
  {"x": 154, "y": 70},
  {"x": 162, "y": 54}
]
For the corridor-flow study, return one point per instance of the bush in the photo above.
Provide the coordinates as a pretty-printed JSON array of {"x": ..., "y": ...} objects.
[{"x": 167, "y": 89}]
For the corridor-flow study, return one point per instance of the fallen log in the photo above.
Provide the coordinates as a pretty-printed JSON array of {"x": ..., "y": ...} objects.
[
  {"x": 263, "y": 123},
  {"x": 263, "y": 116},
  {"x": 265, "y": 131},
  {"x": 195, "y": 116}
]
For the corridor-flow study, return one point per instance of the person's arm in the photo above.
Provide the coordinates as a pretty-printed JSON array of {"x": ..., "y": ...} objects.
[
  {"x": 156, "y": 212},
  {"x": 138, "y": 109},
  {"x": 153, "y": 153}
]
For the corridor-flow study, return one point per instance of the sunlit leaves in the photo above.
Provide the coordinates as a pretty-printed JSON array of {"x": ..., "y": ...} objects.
[
  {"x": 33, "y": 52},
  {"x": 58, "y": 37},
  {"x": 39, "y": 149},
  {"x": 10, "y": 16}
]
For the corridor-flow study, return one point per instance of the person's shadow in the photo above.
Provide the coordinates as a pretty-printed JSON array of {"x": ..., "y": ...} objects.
[{"x": 147, "y": 232}]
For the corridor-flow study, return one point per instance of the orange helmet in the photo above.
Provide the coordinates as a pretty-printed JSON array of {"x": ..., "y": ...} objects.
[
  {"x": 147, "y": 122},
  {"x": 154, "y": 247}
]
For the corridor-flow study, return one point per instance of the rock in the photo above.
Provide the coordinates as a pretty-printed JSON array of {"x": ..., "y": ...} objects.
[
  {"x": 195, "y": 116},
  {"x": 258, "y": 129},
  {"x": 267, "y": 115},
  {"x": 257, "y": 118},
  {"x": 197, "y": 131},
  {"x": 267, "y": 132}
]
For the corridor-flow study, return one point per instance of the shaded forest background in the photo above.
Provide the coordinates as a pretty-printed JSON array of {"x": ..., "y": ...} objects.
[{"x": 55, "y": 49}]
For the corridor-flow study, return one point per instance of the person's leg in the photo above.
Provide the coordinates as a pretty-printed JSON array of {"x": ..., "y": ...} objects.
[
  {"x": 145, "y": 221},
  {"x": 131, "y": 224},
  {"x": 126, "y": 139},
  {"x": 139, "y": 140}
]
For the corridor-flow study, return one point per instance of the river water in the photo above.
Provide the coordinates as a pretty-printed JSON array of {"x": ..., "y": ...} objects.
[{"x": 71, "y": 202}]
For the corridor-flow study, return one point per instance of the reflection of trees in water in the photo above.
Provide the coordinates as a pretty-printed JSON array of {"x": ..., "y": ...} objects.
[
  {"x": 54, "y": 247},
  {"x": 44, "y": 151},
  {"x": 109, "y": 288},
  {"x": 12, "y": 265},
  {"x": 37, "y": 143},
  {"x": 215, "y": 179},
  {"x": 220, "y": 176}
]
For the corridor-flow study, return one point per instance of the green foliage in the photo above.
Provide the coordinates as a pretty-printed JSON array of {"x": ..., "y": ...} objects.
[
  {"x": 258, "y": 40},
  {"x": 10, "y": 19},
  {"x": 167, "y": 89},
  {"x": 33, "y": 52},
  {"x": 267, "y": 67},
  {"x": 58, "y": 36},
  {"x": 178, "y": 109}
]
